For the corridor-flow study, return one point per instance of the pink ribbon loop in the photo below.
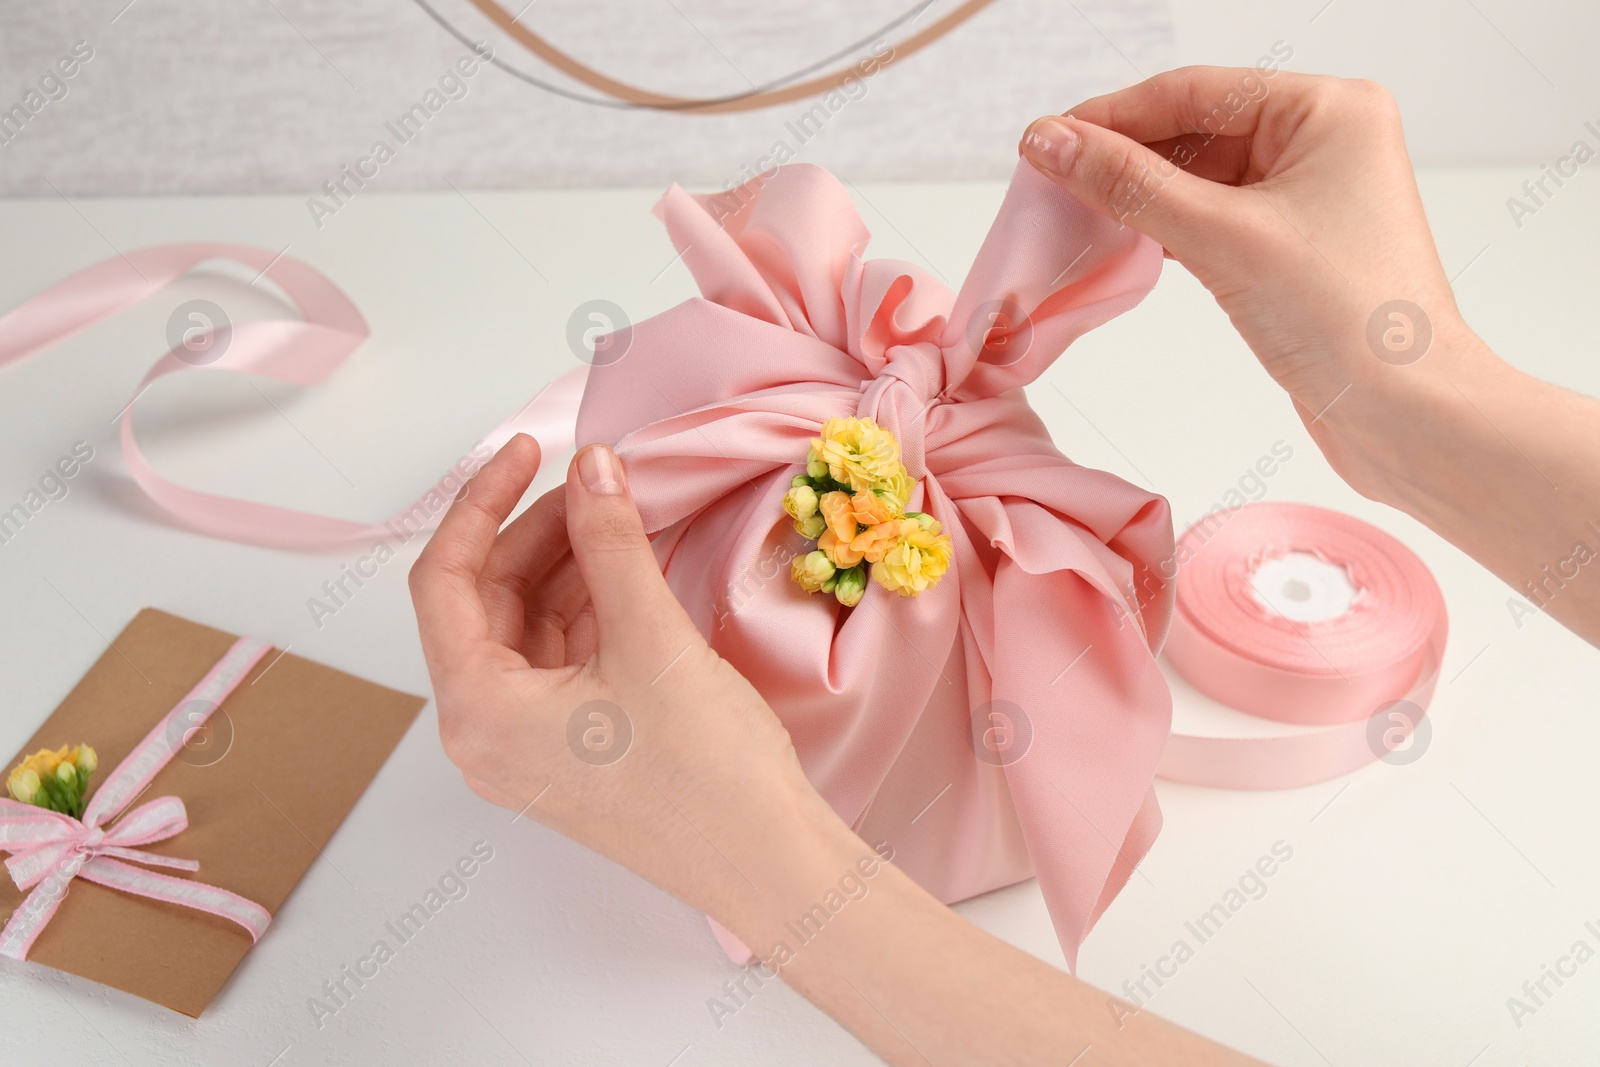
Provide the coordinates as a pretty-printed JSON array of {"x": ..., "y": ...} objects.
[
  {"x": 302, "y": 351},
  {"x": 153, "y": 821},
  {"x": 49, "y": 849}
]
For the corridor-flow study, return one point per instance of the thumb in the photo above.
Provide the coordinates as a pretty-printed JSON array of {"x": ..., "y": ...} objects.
[
  {"x": 636, "y": 613},
  {"x": 1123, "y": 179}
]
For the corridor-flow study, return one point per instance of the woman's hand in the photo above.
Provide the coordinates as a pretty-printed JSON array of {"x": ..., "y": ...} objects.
[
  {"x": 1291, "y": 198},
  {"x": 560, "y": 630},
  {"x": 572, "y": 687}
]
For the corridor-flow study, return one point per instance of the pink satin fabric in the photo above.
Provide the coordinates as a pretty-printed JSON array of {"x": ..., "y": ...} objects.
[
  {"x": 49, "y": 849},
  {"x": 301, "y": 351},
  {"x": 1336, "y": 674},
  {"x": 712, "y": 408}
]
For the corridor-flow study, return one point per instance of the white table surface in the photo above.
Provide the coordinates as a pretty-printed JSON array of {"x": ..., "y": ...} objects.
[{"x": 1418, "y": 899}]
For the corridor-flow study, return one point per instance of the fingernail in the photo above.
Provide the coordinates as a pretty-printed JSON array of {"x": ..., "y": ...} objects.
[
  {"x": 1050, "y": 144},
  {"x": 600, "y": 470}
]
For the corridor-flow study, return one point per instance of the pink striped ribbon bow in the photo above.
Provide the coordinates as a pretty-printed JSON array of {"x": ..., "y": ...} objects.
[{"x": 49, "y": 849}]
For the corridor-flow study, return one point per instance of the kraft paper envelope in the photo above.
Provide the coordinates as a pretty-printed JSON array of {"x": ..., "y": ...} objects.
[{"x": 305, "y": 742}]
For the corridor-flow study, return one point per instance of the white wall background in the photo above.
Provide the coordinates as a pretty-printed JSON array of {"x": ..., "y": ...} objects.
[
  {"x": 1479, "y": 81},
  {"x": 277, "y": 95}
]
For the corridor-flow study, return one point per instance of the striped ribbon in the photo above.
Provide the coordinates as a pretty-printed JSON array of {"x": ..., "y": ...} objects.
[{"x": 49, "y": 849}]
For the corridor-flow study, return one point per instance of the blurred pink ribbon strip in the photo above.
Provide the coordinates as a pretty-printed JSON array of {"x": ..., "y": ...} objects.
[
  {"x": 302, "y": 351},
  {"x": 49, "y": 849}
]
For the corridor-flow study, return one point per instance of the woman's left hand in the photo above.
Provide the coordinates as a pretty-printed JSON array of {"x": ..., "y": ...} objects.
[{"x": 573, "y": 687}]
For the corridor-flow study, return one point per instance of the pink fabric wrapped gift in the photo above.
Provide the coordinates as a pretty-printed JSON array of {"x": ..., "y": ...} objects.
[{"x": 1046, "y": 625}]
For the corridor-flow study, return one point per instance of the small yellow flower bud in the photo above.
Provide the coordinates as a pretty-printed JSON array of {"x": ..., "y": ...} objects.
[
  {"x": 86, "y": 759},
  {"x": 811, "y": 528},
  {"x": 851, "y": 585},
  {"x": 898, "y": 487},
  {"x": 815, "y": 466},
  {"x": 811, "y": 570},
  {"x": 800, "y": 502},
  {"x": 926, "y": 521},
  {"x": 24, "y": 785},
  {"x": 69, "y": 789}
]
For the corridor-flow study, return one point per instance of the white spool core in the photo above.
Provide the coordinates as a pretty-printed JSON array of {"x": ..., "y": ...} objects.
[{"x": 1303, "y": 588}]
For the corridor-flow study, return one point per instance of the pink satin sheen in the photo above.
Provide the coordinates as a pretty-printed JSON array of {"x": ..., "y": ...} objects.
[
  {"x": 300, "y": 351},
  {"x": 49, "y": 849},
  {"x": 1337, "y": 674},
  {"x": 712, "y": 408}
]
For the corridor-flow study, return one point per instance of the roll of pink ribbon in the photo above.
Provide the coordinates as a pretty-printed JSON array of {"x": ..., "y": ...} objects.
[{"x": 1306, "y": 616}]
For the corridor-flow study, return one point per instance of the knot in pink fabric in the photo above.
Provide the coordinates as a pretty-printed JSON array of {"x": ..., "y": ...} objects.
[
  {"x": 1054, "y": 604},
  {"x": 901, "y": 395},
  {"x": 90, "y": 840}
]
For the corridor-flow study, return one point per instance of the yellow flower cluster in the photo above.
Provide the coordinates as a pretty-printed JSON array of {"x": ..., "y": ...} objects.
[
  {"x": 852, "y": 501},
  {"x": 56, "y": 780}
]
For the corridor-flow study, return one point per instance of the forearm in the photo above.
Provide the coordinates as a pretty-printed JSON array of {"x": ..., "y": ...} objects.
[
  {"x": 1504, "y": 466},
  {"x": 917, "y": 983}
]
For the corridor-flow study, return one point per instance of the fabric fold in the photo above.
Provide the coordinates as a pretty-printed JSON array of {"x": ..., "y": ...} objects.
[{"x": 1038, "y": 635}]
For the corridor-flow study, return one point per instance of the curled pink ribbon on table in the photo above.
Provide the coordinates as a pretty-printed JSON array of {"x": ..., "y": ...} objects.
[
  {"x": 302, "y": 351},
  {"x": 49, "y": 848},
  {"x": 1009, "y": 720}
]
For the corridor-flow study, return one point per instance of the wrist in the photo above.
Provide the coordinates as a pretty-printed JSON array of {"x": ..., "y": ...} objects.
[
  {"x": 1396, "y": 431},
  {"x": 799, "y": 852}
]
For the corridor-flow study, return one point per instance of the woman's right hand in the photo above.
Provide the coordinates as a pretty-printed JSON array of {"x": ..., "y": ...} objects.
[{"x": 1291, "y": 198}]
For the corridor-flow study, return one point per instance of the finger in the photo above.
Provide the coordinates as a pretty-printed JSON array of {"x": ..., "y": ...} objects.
[
  {"x": 1212, "y": 101},
  {"x": 450, "y": 613},
  {"x": 1223, "y": 159},
  {"x": 637, "y": 615},
  {"x": 547, "y": 618},
  {"x": 520, "y": 562},
  {"x": 583, "y": 636},
  {"x": 1123, "y": 179},
  {"x": 491, "y": 792}
]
